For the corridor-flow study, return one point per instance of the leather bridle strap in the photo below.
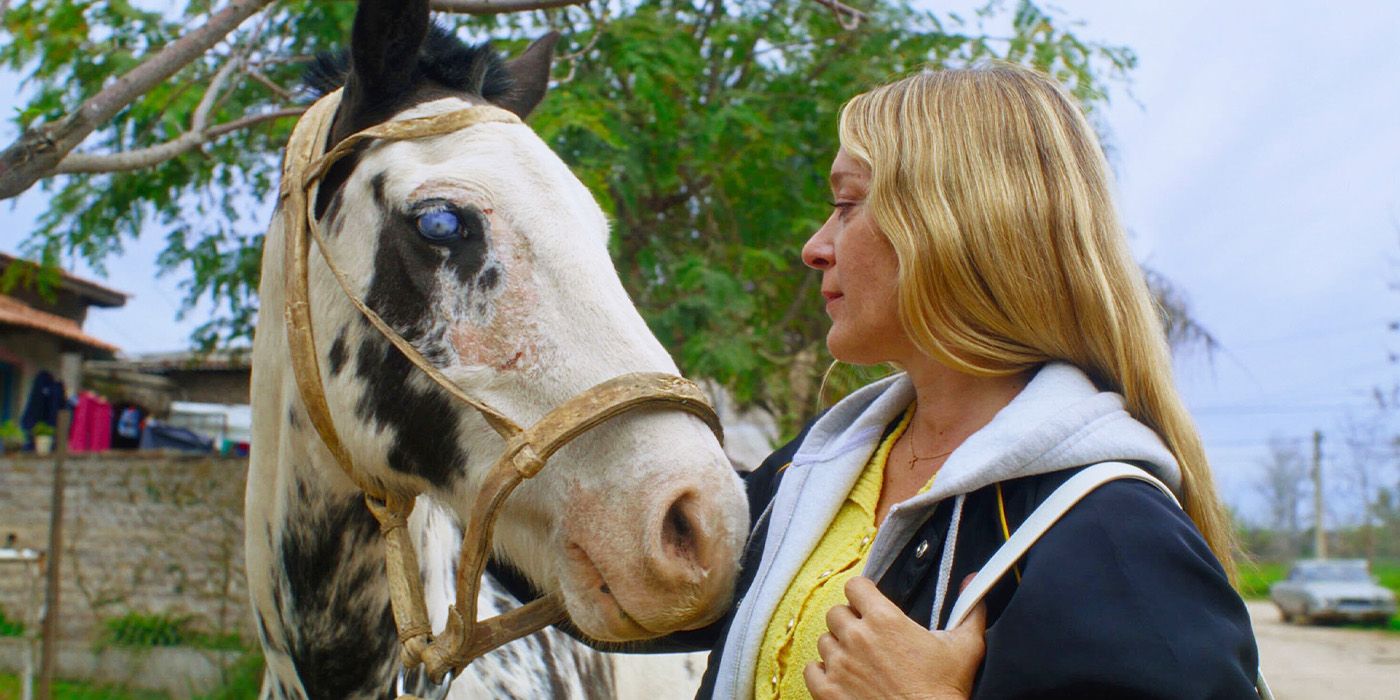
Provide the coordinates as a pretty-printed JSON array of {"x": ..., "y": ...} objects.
[{"x": 527, "y": 450}]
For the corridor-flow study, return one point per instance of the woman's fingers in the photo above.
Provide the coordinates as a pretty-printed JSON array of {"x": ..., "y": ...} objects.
[{"x": 840, "y": 619}]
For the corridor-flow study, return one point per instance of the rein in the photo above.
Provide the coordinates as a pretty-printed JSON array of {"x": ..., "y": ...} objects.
[{"x": 526, "y": 451}]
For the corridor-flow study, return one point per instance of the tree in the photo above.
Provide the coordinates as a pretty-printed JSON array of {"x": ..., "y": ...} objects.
[
  {"x": 704, "y": 127},
  {"x": 1283, "y": 485}
]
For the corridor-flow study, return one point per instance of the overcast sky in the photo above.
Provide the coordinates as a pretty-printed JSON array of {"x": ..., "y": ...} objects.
[{"x": 1259, "y": 170}]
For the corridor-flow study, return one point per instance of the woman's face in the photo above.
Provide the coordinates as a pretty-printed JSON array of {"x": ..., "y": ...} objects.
[{"x": 859, "y": 273}]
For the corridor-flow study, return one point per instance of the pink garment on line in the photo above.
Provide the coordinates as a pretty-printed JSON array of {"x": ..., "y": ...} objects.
[{"x": 92, "y": 425}]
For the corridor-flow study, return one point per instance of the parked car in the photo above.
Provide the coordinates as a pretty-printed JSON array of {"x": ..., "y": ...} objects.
[{"x": 1332, "y": 589}]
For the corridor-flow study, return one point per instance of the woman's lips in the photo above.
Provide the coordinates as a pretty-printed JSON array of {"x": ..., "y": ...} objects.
[{"x": 832, "y": 298}]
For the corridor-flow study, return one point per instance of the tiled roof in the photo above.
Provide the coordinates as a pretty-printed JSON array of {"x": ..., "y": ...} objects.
[
  {"x": 17, "y": 313},
  {"x": 96, "y": 294}
]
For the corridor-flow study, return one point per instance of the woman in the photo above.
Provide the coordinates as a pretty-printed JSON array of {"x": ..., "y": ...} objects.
[{"x": 974, "y": 245}]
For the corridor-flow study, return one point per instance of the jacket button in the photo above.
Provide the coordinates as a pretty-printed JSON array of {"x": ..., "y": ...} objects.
[{"x": 921, "y": 550}]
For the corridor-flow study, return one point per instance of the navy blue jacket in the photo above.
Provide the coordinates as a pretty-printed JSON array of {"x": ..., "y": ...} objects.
[{"x": 1122, "y": 598}]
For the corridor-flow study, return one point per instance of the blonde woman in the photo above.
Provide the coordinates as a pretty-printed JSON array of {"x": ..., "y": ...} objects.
[{"x": 974, "y": 244}]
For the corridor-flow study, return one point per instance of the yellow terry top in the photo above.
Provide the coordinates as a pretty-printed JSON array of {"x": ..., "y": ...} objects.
[{"x": 790, "y": 643}]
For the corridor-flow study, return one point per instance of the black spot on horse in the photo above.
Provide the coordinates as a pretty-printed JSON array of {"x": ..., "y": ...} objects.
[
  {"x": 557, "y": 684},
  {"x": 332, "y": 213},
  {"x": 292, "y": 420},
  {"x": 489, "y": 278},
  {"x": 339, "y": 353},
  {"x": 424, "y": 418},
  {"x": 376, "y": 183},
  {"x": 342, "y": 641},
  {"x": 406, "y": 271}
]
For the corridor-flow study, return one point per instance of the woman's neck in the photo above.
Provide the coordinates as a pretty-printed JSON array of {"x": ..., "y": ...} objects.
[{"x": 950, "y": 405}]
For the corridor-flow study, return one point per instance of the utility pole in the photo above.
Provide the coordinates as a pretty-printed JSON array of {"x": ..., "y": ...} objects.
[
  {"x": 48, "y": 646},
  {"x": 1319, "y": 527}
]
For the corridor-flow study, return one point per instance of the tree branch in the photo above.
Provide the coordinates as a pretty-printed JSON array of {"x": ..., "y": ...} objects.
[
  {"x": 155, "y": 155},
  {"x": 848, "y": 17},
  {"x": 39, "y": 150},
  {"x": 261, "y": 77},
  {"x": 497, "y": 7}
]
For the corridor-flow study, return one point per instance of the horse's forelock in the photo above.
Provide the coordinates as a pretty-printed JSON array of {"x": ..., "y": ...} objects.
[{"x": 443, "y": 59}]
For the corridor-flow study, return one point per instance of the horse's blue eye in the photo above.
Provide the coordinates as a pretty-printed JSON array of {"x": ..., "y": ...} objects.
[{"x": 439, "y": 226}]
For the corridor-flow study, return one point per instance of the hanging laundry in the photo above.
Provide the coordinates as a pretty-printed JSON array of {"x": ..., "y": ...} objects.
[
  {"x": 126, "y": 428},
  {"x": 92, "y": 424},
  {"x": 46, "y": 399}
]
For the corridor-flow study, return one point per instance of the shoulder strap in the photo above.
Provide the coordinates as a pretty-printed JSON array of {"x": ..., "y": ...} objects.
[
  {"x": 1040, "y": 521},
  {"x": 1046, "y": 515}
]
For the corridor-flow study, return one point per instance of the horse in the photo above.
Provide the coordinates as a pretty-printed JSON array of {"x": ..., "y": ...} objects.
[{"x": 482, "y": 250}]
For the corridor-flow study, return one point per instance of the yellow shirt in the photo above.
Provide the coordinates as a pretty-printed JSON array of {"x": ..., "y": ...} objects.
[{"x": 790, "y": 642}]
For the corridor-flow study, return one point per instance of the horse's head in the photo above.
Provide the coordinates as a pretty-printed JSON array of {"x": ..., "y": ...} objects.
[{"x": 490, "y": 257}]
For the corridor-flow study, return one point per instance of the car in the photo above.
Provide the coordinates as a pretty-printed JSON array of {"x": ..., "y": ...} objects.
[{"x": 1344, "y": 590}]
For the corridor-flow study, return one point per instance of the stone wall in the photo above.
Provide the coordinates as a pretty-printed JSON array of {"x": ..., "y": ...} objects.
[{"x": 147, "y": 532}]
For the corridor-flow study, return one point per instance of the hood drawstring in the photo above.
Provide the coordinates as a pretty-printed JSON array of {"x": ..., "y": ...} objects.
[{"x": 945, "y": 567}]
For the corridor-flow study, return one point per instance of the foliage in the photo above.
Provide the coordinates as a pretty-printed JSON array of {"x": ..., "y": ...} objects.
[
  {"x": 1256, "y": 577},
  {"x": 78, "y": 690},
  {"x": 136, "y": 629},
  {"x": 10, "y": 628},
  {"x": 241, "y": 680},
  {"x": 11, "y": 435},
  {"x": 704, "y": 127},
  {"x": 41, "y": 429}
]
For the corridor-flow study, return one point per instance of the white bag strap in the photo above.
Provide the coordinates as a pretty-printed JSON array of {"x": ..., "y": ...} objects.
[{"x": 1046, "y": 515}]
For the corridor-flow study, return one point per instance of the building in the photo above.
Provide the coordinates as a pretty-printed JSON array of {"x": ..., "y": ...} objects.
[{"x": 39, "y": 326}]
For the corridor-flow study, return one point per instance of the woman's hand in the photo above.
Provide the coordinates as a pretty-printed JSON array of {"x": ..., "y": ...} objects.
[{"x": 873, "y": 650}]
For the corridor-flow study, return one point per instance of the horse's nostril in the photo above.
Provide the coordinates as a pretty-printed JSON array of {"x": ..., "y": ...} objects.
[{"x": 678, "y": 529}]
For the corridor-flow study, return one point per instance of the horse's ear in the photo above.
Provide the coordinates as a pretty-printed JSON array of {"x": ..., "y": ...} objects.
[
  {"x": 384, "y": 54},
  {"x": 530, "y": 73}
]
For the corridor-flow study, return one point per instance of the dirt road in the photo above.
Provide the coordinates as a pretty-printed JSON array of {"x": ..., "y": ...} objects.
[{"x": 1326, "y": 663}]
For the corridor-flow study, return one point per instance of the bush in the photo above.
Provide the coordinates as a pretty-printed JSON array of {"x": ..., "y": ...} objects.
[
  {"x": 147, "y": 630},
  {"x": 1256, "y": 577},
  {"x": 10, "y": 628},
  {"x": 242, "y": 680},
  {"x": 11, "y": 436},
  {"x": 164, "y": 630}
]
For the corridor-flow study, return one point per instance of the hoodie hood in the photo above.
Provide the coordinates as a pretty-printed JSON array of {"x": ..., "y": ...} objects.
[{"x": 1059, "y": 421}]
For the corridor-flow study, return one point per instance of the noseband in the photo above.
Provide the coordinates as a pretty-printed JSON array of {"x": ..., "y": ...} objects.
[{"x": 526, "y": 451}]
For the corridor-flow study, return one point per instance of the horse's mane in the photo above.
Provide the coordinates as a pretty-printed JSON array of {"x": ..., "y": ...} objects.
[{"x": 443, "y": 58}]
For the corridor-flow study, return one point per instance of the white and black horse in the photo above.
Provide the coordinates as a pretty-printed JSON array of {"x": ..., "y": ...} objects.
[{"x": 490, "y": 257}]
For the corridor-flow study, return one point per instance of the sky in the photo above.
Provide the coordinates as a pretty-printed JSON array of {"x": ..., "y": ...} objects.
[{"x": 1258, "y": 157}]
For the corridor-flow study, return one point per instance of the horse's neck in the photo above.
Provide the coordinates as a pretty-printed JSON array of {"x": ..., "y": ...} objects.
[
  {"x": 317, "y": 578},
  {"x": 320, "y": 595}
]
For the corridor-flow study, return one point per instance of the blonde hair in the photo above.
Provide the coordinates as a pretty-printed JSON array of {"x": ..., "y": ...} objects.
[{"x": 993, "y": 190}]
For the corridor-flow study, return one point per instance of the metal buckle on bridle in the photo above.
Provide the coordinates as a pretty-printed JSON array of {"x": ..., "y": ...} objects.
[
  {"x": 407, "y": 677},
  {"x": 527, "y": 449}
]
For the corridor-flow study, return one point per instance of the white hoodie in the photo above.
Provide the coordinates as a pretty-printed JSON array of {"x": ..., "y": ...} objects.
[{"x": 1059, "y": 421}]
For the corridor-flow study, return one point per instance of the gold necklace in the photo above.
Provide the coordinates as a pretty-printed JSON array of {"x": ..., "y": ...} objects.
[{"x": 914, "y": 453}]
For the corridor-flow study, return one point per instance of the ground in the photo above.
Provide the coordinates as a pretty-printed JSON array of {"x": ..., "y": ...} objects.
[{"x": 1307, "y": 662}]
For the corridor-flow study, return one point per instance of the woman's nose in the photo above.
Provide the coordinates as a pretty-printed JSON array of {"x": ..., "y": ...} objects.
[{"x": 819, "y": 253}]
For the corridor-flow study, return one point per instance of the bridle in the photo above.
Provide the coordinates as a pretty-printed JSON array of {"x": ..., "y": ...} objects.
[{"x": 527, "y": 449}]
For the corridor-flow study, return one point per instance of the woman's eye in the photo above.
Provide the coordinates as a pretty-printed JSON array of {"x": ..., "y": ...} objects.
[{"x": 439, "y": 226}]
